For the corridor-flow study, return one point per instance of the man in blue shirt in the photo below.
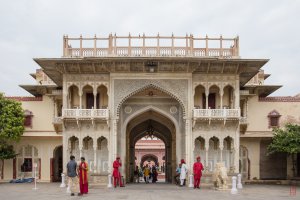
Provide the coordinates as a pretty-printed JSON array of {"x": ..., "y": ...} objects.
[
  {"x": 73, "y": 176},
  {"x": 177, "y": 175}
]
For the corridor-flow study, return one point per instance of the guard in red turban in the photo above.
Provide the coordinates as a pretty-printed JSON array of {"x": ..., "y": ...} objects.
[
  {"x": 116, "y": 173},
  {"x": 197, "y": 168}
]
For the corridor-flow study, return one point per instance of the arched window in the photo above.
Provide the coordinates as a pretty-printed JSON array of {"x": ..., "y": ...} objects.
[
  {"x": 274, "y": 119},
  {"x": 26, "y": 159}
]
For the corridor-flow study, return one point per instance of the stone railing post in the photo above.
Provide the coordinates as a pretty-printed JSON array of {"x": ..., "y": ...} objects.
[
  {"x": 233, "y": 189},
  {"x": 109, "y": 185},
  {"x": 239, "y": 184},
  {"x": 62, "y": 181}
]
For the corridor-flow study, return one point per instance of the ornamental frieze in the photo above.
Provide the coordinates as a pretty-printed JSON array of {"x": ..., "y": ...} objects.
[{"x": 124, "y": 88}]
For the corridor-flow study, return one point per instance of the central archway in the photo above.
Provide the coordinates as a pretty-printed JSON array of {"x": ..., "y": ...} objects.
[{"x": 163, "y": 128}]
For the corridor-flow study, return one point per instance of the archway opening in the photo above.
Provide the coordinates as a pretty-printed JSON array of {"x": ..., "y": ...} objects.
[
  {"x": 57, "y": 164},
  {"x": 152, "y": 124},
  {"x": 150, "y": 152}
]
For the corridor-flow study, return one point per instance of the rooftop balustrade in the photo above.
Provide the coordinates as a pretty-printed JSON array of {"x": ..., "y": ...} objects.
[{"x": 151, "y": 46}]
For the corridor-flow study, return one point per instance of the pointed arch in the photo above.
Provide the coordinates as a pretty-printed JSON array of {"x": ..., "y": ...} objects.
[{"x": 154, "y": 86}]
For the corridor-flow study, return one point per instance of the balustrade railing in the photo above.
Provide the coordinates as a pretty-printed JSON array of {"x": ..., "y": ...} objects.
[
  {"x": 149, "y": 46},
  {"x": 57, "y": 120},
  {"x": 216, "y": 113},
  {"x": 86, "y": 113}
]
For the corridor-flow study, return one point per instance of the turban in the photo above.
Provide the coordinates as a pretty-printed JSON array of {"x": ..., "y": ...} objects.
[{"x": 182, "y": 161}]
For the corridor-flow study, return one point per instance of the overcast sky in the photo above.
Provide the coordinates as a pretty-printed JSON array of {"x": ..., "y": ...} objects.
[{"x": 34, "y": 28}]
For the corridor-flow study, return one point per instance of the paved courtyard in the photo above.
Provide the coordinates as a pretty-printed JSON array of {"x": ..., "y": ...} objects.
[{"x": 143, "y": 192}]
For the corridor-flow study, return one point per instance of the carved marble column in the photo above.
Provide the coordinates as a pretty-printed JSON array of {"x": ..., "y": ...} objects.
[
  {"x": 95, "y": 156},
  {"x": 95, "y": 100},
  {"x": 221, "y": 98},
  {"x": 206, "y": 100},
  {"x": 236, "y": 152},
  {"x": 80, "y": 146},
  {"x": 206, "y": 153},
  {"x": 114, "y": 139},
  {"x": 188, "y": 142},
  {"x": 221, "y": 153},
  {"x": 66, "y": 152},
  {"x": 237, "y": 94},
  {"x": 80, "y": 100}
]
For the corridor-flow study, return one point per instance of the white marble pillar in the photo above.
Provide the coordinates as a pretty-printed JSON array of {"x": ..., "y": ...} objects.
[
  {"x": 95, "y": 157},
  {"x": 188, "y": 142},
  {"x": 95, "y": 100},
  {"x": 66, "y": 152},
  {"x": 206, "y": 158},
  {"x": 237, "y": 93},
  {"x": 114, "y": 140},
  {"x": 221, "y": 153},
  {"x": 236, "y": 150},
  {"x": 80, "y": 100},
  {"x": 221, "y": 98},
  {"x": 80, "y": 146}
]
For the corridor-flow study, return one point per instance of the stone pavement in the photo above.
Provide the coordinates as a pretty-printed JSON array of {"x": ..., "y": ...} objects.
[{"x": 24, "y": 191}]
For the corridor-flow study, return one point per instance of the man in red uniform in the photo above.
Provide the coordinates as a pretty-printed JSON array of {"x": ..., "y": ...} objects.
[
  {"x": 83, "y": 180},
  {"x": 197, "y": 168},
  {"x": 116, "y": 174}
]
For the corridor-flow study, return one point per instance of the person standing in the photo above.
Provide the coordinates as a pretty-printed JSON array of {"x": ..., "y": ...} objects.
[
  {"x": 136, "y": 175},
  {"x": 197, "y": 168},
  {"x": 183, "y": 172},
  {"x": 83, "y": 179},
  {"x": 116, "y": 173},
  {"x": 72, "y": 175},
  {"x": 146, "y": 173},
  {"x": 154, "y": 174},
  {"x": 177, "y": 175}
]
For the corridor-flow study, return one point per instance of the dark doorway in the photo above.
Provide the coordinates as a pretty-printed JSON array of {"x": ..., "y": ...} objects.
[
  {"x": 89, "y": 100},
  {"x": 272, "y": 166},
  {"x": 211, "y": 101},
  {"x": 57, "y": 167}
]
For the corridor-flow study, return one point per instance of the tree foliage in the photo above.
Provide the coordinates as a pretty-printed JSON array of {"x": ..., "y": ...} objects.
[
  {"x": 286, "y": 140},
  {"x": 11, "y": 119},
  {"x": 11, "y": 126}
]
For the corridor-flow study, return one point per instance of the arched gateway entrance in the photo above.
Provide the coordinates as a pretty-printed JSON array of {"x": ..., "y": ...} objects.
[
  {"x": 163, "y": 129},
  {"x": 152, "y": 112}
]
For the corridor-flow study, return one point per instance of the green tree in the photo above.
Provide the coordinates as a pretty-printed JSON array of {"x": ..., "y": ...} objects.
[
  {"x": 286, "y": 140},
  {"x": 11, "y": 126}
]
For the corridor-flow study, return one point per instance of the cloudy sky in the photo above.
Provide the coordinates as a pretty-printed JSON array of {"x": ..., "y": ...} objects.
[{"x": 34, "y": 28}]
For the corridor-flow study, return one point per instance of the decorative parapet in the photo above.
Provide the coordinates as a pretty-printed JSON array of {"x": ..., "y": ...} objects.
[
  {"x": 279, "y": 99},
  {"x": 85, "y": 114},
  {"x": 151, "y": 46},
  {"x": 26, "y": 98},
  {"x": 57, "y": 92}
]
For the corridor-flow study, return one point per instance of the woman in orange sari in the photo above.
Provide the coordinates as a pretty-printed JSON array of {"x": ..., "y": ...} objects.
[{"x": 83, "y": 179}]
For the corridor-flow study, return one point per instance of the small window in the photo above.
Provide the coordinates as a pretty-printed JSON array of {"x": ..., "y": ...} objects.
[
  {"x": 27, "y": 165},
  {"x": 274, "y": 119},
  {"x": 28, "y": 118}
]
